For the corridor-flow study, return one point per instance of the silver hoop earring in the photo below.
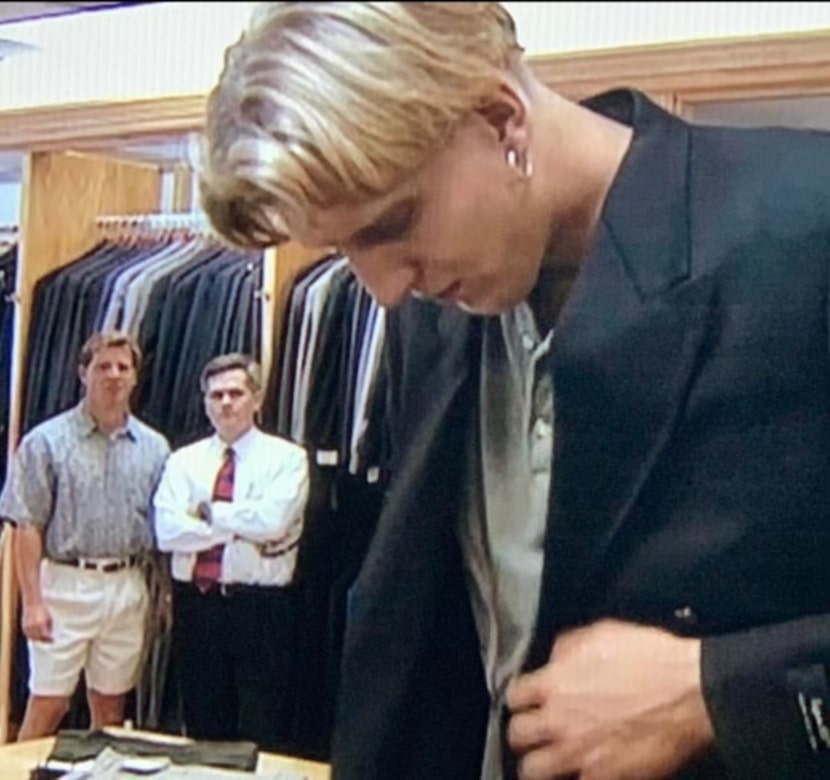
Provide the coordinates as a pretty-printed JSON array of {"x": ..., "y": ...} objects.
[{"x": 519, "y": 162}]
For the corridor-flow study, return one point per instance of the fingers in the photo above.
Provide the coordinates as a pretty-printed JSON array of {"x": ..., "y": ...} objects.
[
  {"x": 527, "y": 730},
  {"x": 548, "y": 763},
  {"x": 39, "y": 632},
  {"x": 39, "y": 627},
  {"x": 528, "y": 690}
]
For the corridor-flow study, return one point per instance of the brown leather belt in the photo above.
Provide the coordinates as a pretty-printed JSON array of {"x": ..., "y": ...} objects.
[
  {"x": 90, "y": 564},
  {"x": 231, "y": 589}
]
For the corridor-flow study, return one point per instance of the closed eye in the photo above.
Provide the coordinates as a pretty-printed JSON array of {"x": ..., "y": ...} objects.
[{"x": 392, "y": 225}]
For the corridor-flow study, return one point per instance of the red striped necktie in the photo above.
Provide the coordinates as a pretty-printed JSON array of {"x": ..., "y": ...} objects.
[{"x": 208, "y": 569}]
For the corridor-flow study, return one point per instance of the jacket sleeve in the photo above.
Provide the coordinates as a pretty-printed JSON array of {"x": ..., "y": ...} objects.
[
  {"x": 767, "y": 690},
  {"x": 767, "y": 693}
]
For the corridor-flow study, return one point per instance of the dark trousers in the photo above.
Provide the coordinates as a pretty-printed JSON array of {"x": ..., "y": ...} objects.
[{"x": 235, "y": 655}]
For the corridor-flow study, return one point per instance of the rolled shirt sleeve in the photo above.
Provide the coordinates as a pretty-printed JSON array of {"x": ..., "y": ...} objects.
[{"x": 28, "y": 494}]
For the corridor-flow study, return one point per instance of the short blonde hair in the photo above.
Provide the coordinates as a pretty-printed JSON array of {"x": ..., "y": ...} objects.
[{"x": 323, "y": 104}]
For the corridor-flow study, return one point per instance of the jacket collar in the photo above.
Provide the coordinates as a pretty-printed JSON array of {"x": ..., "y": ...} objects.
[
  {"x": 653, "y": 238},
  {"x": 624, "y": 353}
]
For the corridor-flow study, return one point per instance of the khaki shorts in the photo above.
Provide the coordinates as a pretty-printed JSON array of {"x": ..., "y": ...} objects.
[{"x": 98, "y": 623}]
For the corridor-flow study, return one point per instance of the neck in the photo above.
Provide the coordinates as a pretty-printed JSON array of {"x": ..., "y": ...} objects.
[
  {"x": 549, "y": 294},
  {"x": 229, "y": 439},
  {"x": 584, "y": 153},
  {"x": 107, "y": 420}
]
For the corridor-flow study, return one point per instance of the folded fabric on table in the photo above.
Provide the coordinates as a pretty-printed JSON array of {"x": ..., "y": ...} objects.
[{"x": 73, "y": 746}]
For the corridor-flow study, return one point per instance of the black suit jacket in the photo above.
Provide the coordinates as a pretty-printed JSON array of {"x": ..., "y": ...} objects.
[{"x": 691, "y": 485}]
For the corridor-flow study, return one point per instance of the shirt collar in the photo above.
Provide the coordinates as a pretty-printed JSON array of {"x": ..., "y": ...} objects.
[
  {"x": 240, "y": 447},
  {"x": 87, "y": 425},
  {"x": 524, "y": 341}
]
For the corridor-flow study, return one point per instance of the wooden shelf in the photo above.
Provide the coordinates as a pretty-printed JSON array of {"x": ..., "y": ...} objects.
[{"x": 724, "y": 69}]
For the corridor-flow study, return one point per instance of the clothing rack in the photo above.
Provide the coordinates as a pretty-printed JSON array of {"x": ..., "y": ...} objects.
[
  {"x": 189, "y": 225},
  {"x": 185, "y": 298},
  {"x": 8, "y": 305},
  {"x": 327, "y": 392},
  {"x": 9, "y": 236},
  {"x": 169, "y": 227},
  {"x": 8, "y": 594},
  {"x": 178, "y": 226},
  {"x": 139, "y": 285}
]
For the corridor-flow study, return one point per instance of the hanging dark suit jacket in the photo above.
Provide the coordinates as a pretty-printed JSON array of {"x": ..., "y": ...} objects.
[{"x": 691, "y": 478}]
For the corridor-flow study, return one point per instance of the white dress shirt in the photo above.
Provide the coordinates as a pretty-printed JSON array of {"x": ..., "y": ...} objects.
[{"x": 260, "y": 528}]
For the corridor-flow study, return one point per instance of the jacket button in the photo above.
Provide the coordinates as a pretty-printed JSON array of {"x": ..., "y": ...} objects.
[{"x": 685, "y": 614}]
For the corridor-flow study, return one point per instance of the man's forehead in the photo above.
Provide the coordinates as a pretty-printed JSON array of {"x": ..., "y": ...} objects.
[
  {"x": 229, "y": 376},
  {"x": 112, "y": 351}
]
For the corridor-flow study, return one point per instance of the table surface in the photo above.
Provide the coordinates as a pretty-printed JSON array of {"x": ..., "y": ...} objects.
[{"x": 17, "y": 759}]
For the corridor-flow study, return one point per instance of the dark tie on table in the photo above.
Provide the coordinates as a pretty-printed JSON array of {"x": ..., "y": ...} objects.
[{"x": 208, "y": 569}]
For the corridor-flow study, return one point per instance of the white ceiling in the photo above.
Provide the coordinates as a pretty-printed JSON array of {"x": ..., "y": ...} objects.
[
  {"x": 21, "y": 12},
  {"x": 12, "y": 14}
]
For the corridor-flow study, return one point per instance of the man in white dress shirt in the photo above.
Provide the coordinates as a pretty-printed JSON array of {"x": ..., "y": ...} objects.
[{"x": 230, "y": 509}]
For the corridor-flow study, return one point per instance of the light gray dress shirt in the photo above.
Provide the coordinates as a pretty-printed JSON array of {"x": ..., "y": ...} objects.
[
  {"x": 89, "y": 492},
  {"x": 502, "y": 535}
]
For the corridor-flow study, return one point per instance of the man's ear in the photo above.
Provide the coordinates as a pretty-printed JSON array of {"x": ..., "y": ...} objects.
[{"x": 506, "y": 113}]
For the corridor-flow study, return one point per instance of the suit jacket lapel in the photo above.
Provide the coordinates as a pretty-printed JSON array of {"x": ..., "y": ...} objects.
[{"x": 623, "y": 355}]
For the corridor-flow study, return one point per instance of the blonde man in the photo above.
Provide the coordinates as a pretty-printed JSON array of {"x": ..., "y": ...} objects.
[
  {"x": 79, "y": 492},
  {"x": 652, "y": 601}
]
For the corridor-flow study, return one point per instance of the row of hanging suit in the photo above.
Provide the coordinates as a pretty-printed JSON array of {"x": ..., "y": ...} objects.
[
  {"x": 187, "y": 300},
  {"x": 184, "y": 300},
  {"x": 327, "y": 392},
  {"x": 8, "y": 278}
]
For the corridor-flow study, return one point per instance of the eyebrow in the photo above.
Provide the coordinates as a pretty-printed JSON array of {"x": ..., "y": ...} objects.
[{"x": 390, "y": 225}]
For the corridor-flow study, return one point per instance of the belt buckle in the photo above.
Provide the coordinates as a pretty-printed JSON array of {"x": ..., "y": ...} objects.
[{"x": 87, "y": 564}]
